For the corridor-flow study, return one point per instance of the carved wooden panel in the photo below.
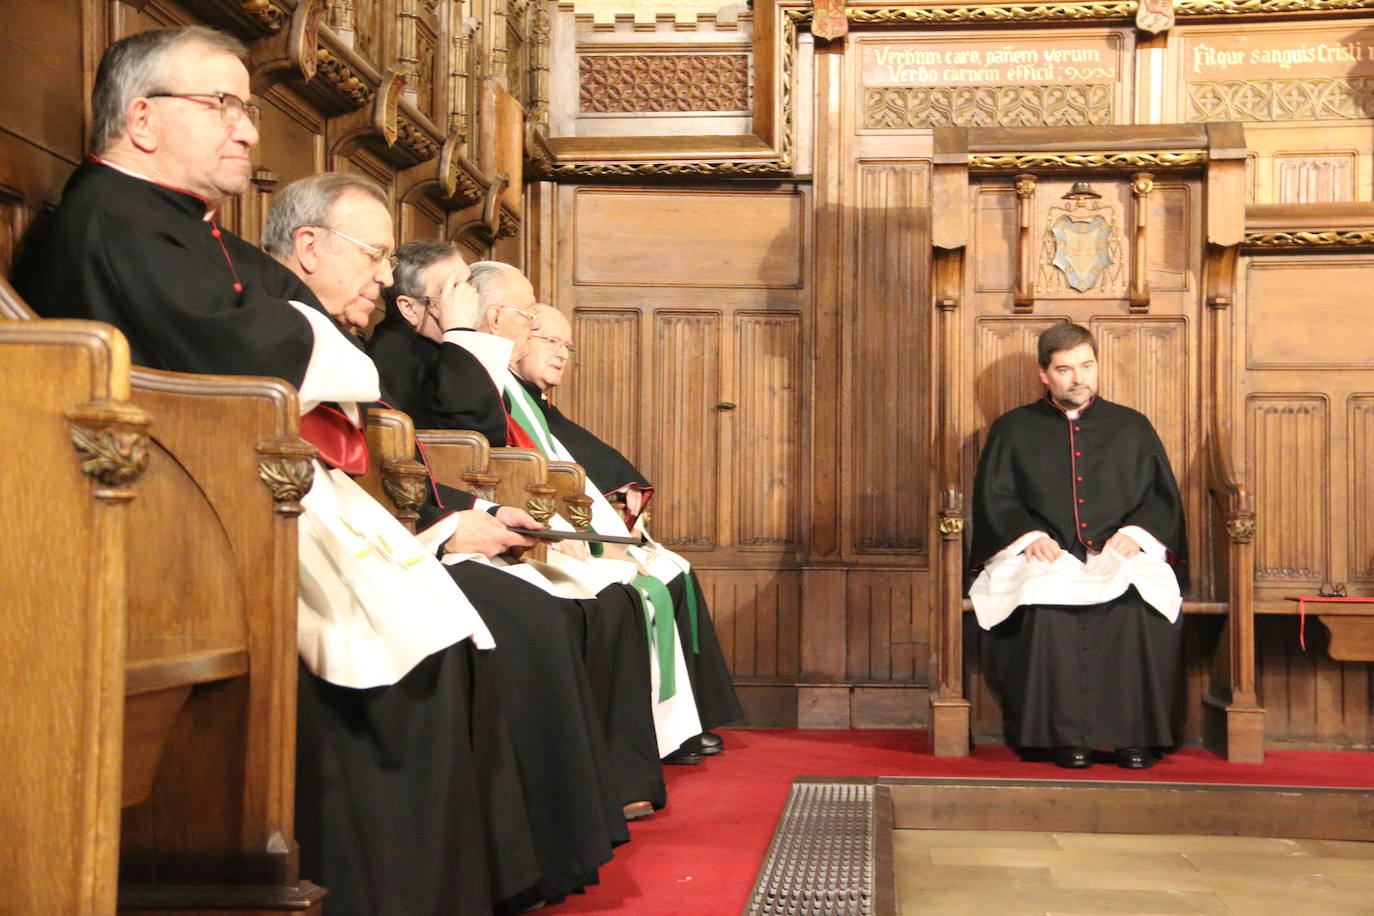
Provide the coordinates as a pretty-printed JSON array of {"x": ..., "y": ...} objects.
[
  {"x": 1132, "y": 353},
  {"x": 1170, "y": 239},
  {"x": 1305, "y": 178},
  {"x": 757, "y": 618},
  {"x": 904, "y": 107},
  {"x": 1318, "y": 289},
  {"x": 888, "y": 625},
  {"x": 421, "y": 217},
  {"x": 686, "y": 469},
  {"x": 768, "y": 359},
  {"x": 1288, "y": 436},
  {"x": 1297, "y": 99},
  {"x": 1064, "y": 268},
  {"x": 1360, "y": 563},
  {"x": 1005, "y": 371},
  {"x": 886, "y": 412},
  {"x": 994, "y": 241},
  {"x": 684, "y": 238},
  {"x": 1308, "y": 698},
  {"x": 605, "y": 389},
  {"x": 664, "y": 82}
]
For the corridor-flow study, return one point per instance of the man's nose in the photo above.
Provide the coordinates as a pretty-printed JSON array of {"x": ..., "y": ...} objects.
[
  {"x": 245, "y": 131},
  {"x": 383, "y": 274}
]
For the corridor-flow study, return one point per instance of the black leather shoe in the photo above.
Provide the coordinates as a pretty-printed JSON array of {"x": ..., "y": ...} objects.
[
  {"x": 712, "y": 744},
  {"x": 1073, "y": 758},
  {"x": 683, "y": 757},
  {"x": 1134, "y": 758}
]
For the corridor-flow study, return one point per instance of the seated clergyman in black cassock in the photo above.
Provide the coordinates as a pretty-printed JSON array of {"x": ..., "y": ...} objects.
[
  {"x": 1077, "y": 525},
  {"x": 406, "y": 780},
  {"x": 540, "y": 370}
]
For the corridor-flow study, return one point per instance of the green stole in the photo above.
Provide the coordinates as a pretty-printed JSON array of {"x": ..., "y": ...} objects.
[{"x": 653, "y": 594}]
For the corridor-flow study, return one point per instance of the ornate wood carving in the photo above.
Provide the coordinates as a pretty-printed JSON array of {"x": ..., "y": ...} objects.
[
  {"x": 975, "y": 13},
  {"x": 828, "y": 19},
  {"x": 1004, "y": 364},
  {"x": 1289, "y": 437},
  {"x": 264, "y": 13},
  {"x": 1153, "y": 161},
  {"x": 343, "y": 77},
  {"x": 1052, "y": 105},
  {"x": 664, "y": 82},
  {"x": 1241, "y": 529},
  {"x": 579, "y": 511},
  {"x": 1023, "y": 296},
  {"x": 1296, "y": 99},
  {"x": 1154, "y": 16},
  {"x": 406, "y": 483},
  {"x": 286, "y": 468},
  {"x": 1310, "y": 239},
  {"x": 460, "y": 181},
  {"x": 112, "y": 440},
  {"x": 1142, "y": 185},
  {"x": 541, "y": 504},
  {"x": 768, "y": 358}
]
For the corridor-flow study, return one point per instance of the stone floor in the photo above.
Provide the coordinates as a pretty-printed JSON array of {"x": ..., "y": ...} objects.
[{"x": 1014, "y": 872}]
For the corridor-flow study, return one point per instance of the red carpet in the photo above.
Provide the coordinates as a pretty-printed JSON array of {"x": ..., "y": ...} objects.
[{"x": 699, "y": 856}]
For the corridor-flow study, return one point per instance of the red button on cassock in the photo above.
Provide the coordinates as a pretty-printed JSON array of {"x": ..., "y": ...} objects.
[
  {"x": 1078, "y": 454},
  {"x": 1082, "y": 524},
  {"x": 1089, "y": 543},
  {"x": 1080, "y": 480},
  {"x": 1080, "y": 502}
]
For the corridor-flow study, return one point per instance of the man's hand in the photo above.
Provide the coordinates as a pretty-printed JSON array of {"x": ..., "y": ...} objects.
[
  {"x": 1045, "y": 549},
  {"x": 478, "y": 532},
  {"x": 457, "y": 304},
  {"x": 1123, "y": 544},
  {"x": 516, "y": 517}
]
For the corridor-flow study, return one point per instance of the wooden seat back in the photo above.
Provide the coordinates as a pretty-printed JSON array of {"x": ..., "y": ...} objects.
[
  {"x": 75, "y": 448},
  {"x": 207, "y": 770}
]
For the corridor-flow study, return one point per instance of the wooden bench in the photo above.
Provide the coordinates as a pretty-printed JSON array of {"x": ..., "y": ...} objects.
[{"x": 207, "y": 769}]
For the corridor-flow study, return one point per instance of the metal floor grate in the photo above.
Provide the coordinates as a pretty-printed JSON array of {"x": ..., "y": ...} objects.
[{"x": 822, "y": 861}]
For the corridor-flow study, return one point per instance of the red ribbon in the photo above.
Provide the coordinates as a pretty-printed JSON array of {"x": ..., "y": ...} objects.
[{"x": 339, "y": 441}]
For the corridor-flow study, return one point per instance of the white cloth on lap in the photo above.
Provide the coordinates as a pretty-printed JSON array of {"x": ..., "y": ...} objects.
[{"x": 373, "y": 602}]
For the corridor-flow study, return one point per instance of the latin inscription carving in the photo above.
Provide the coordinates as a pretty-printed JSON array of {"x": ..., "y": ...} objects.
[
  {"x": 975, "y": 62},
  {"x": 664, "y": 82},
  {"x": 988, "y": 106}
]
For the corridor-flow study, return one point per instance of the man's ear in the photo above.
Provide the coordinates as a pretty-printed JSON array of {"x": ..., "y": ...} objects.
[
  {"x": 306, "y": 248},
  {"x": 141, "y": 125},
  {"x": 1044, "y": 377},
  {"x": 409, "y": 309}
]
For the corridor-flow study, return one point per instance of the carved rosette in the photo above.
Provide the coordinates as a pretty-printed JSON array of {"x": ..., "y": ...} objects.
[
  {"x": 1170, "y": 159},
  {"x": 112, "y": 440},
  {"x": 1025, "y": 186},
  {"x": 951, "y": 524},
  {"x": 1241, "y": 529}
]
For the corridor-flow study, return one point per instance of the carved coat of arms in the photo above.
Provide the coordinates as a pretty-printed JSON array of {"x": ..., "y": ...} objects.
[{"x": 1082, "y": 247}]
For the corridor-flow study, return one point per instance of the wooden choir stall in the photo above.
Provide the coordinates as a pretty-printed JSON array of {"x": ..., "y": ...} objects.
[{"x": 805, "y": 249}]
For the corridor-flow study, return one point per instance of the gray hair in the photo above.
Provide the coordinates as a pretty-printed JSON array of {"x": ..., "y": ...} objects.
[
  {"x": 308, "y": 202},
  {"x": 412, "y": 259},
  {"x": 491, "y": 279},
  {"x": 141, "y": 64}
]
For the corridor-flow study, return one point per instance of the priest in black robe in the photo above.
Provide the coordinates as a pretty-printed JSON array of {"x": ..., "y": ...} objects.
[
  {"x": 540, "y": 372},
  {"x": 1077, "y": 527},
  {"x": 136, "y": 242}
]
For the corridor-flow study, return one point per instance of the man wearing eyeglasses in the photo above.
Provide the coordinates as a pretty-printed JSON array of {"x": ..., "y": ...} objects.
[{"x": 419, "y": 349}]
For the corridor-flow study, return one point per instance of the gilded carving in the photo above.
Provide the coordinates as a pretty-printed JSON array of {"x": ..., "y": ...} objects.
[
  {"x": 506, "y": 225},
  {"x": 1250, "y": 7},
  {"x": 263, "y": 13},
  {"x": 951, "y": 525},
  {"x": 580, "y": 514},
  {"x": 416, "y": 139},
  {"x": 1172, "y": 159},
  {"x": 1025, "y": 186},
  {"x": 385, "y": 113},
  {"x": 1056, "y": 12},
  {"x": 664, "y": 82},
  {"x": 114, "y": 454},
  {"x": 541, "y": 508},
  {"x": 288, "y": 477},
  {"x": 342, "y": 77},
  {"x": 1311, "y": 238},
  {"x": 456, "y": 182},
  {"x": 828, "y": 19},
  {"x": 764, "y": 168},
  {"x": 1241, "y": 530},
  {"x": 1297, "y": 99},
  {"x": 1053, "y": 105}
]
